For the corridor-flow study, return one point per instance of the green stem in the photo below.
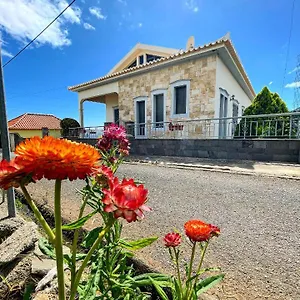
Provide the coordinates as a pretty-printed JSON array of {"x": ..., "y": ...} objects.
[
  {"x": 75, "y": 241},
  {"x": 88, "y": 256},
  {"x": 199, "y": 267},
  {"x": 202, "y": 258},
  {"x": 38, "y": 215},
  {"x": 59, "y": 241},
  {"x": 190, "y": 269},
  {"x": 177, "y": 267}
]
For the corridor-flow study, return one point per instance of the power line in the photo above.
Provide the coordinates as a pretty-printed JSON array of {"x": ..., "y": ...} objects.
[
  {"x": 288, "y": 47},
  {"x": 38, "y": 35}
]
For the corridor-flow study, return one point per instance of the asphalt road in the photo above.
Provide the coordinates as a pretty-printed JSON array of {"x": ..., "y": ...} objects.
[{"x": 258, "y": 248}]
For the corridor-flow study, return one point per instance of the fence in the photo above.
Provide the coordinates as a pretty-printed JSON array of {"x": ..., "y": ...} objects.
[{"x": 278, "y": 126}]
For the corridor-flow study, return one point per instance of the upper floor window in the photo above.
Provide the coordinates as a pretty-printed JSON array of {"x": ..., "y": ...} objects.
[
  {"x": 133, "y": 64},
  {"x": 180, "y": 98},
  {"x": 141, "y": 59},
  {"x": 150, "y": 57}
]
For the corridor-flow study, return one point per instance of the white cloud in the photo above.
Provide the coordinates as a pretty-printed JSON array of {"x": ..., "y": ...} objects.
[
  {"x": 192, "y": 5},
  {"x": 140, "y": 25},
  {"x": 24, "y": 19},
  {"x": 294, "y": 70},
  {"x": 88, "y": 26},
  {"x": 124, "y": 2},
  {"x": 271, "y": 82},
  {"x": 96, "y": 11},
  {"x": 6, "y": 53},
  {"x": 293, "y": 85}
]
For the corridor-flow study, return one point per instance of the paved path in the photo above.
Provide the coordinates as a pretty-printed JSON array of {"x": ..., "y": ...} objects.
[{"x": 259, "y": 219}]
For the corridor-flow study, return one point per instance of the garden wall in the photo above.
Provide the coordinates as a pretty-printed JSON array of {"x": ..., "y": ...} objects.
[{"x": 248, "y": 149}]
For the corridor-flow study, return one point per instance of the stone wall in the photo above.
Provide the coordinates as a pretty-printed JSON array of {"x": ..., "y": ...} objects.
[
  {"x": 258, "y": 150},
  {"x": 255, "y": 149},
  {"x": 202, "y": 75}
]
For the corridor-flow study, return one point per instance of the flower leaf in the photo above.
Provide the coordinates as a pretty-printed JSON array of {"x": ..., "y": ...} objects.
[
  {"x": 91, "y": 237},
  {"x": 159, "y": 290},
  {"x": 47, "y": 248},
  {"x": 138, "y": 244},
  {"x": 207, "y": 283},
  {"x": 77, "y": 224}
]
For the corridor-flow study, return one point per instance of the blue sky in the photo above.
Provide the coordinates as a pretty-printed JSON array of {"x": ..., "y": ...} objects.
[{"x": 95, "y": 34}]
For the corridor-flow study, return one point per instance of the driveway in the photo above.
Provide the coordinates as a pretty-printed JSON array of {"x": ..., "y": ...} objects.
[{"x": 258, "y": 248}]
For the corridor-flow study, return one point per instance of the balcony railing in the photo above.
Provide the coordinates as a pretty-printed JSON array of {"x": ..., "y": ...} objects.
[{"x": 278, "y": 126}]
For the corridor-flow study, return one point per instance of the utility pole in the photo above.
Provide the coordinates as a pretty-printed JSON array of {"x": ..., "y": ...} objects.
[{"x": 5, "y": 140}]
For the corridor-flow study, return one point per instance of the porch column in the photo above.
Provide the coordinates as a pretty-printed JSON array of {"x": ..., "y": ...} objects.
[{"x": 81, "y": 119}]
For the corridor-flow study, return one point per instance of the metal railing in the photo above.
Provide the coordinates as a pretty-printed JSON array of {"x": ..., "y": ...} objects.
[
  {"x": 278, "y": 126},
  {"x": 86, "y": 132}
]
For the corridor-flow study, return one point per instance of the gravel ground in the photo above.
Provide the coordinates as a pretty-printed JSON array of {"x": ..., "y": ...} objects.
[{"x": 258, "y": 248}]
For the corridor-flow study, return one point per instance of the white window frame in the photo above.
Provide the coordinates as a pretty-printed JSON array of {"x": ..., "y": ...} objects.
[
  {"x": 140, "y": 99},
  {"x": 187, "y": 83},
  {"x": 153, "y": 94}
]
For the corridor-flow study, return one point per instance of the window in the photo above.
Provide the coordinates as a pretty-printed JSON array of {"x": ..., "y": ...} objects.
[
  {"x": 116, "y": 115},
  {"x": 141, "y": 59},
  {"x": 158, "y": 108},
  {"x": 180, "y": 98},
  {"x": 140, "y": 116},
  {"x": 150, "y": 57},
  {"x": 133, "y": 64}
]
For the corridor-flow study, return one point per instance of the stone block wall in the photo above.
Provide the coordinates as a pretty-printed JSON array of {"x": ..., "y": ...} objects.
[
  {"x": 202, "y": 75},
  {"x": 258, "y": 150}
]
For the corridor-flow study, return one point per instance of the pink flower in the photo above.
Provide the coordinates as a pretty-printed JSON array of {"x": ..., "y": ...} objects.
[
  {"x": 115, "y": 132},
  {"x": 126, "y": 199},
  {"x": 172, "y": 239},
  {"x": 103, "y": 175},
  {"x": 114, "y": 136}
]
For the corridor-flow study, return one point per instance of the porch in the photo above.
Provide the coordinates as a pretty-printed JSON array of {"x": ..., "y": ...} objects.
[{"x": 107, "y": 94}]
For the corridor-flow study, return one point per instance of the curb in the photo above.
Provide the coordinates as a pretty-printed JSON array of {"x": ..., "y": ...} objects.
[{"x": 221, "y": 169}]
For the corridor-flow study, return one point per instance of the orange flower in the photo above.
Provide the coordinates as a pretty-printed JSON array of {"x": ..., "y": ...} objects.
[
  {"x": 199, "y": 231},
  {"x": 12, "y": 174},
  {"x": 53, "y": 158}
]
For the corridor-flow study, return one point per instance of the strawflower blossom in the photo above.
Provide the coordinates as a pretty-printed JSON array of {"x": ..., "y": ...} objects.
[
  {"x": 198, "y": 231},
  {"x": 114, "y": 135},
  {"x": 103, "y": 175},
  {"x": 126, "y": 199},
  {"x": 172, "y": 239},
  {"x": 54, "y": 158},
  {"x": 12, "y": 175}
]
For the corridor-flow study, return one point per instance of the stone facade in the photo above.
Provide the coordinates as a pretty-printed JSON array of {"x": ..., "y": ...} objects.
[{"x": 202, "y": 75}]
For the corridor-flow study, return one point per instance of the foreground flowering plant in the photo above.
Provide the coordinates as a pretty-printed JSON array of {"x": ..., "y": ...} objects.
[
  {"x": 190, "y": 286},
  {"x": 59, "y": 159},
  {"x": 102, "y": 270}
]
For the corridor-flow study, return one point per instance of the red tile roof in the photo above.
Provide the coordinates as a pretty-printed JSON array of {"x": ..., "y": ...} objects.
[{"x": 31, "y": 121}]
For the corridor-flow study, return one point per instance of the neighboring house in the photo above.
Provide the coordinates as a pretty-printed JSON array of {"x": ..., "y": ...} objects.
[
  {"x": 155, "y": 87},
  {"x": 30, "y": 124}
]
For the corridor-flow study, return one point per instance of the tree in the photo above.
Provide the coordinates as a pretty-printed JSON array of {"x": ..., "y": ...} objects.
[
  {"x": 68, "y": 123},
  {"x": 265, "y": 102}
]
